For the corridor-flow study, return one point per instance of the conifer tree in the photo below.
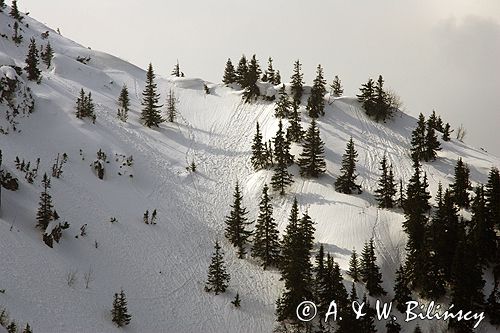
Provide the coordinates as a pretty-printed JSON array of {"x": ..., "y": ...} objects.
[
  {"x": 251, "y": 89},
  {"x": 297, "y": 83},
  {"x": 150, "y": 115},
  {"x": 32, "y": 60},
  {"x": 277, "y": 78},
  {"x": 236, "y": 223},
  {"x": 259, "y": 153},
  {"x": 367, "y": 95},
  {"x": 47, "y": 55},
  {"x": 368, "y": 320},
  {"x": 402, "y": 293},
  {"x": 386, "y": 188},
  {"x": 312, "y": 162},
  {"x": 218, "y": 278},
  {"x": 381, "y": 109},
  {"x": 229, "y": 73},
  {"x": 281, "y": 177},
  {"x": 461, "y": 185},
  {"x": 242, "y": 72},
  {"x": 45, "y": 207},
  {"x": 177, "y": 70},
  {"x": 336, "y": 87},
  {"x": 316, "y": 102},
  {"x": 269, "y": 75},
  {"x": 85, "y": 107},
  {"x": 418, "y": 142},
  {"x": 392, "y": 326},
  {"x": 483, "y": 230},
  {"x": 319, "y": 271},
  {"x": 432, "y": 144},
  {"x": 119, "y": 313},
  {"x": 123, "y": 104},
  {"x": 446, "y": 132},
  {"x": 27, "y": 329},
  {"x": 17, "y": 38},
  {"x": 171, "y": 106},
  {"x": 346, "y": 182},
  {"x": 493, "y": 305},
  {"x": 354, "y": 268},
  {"x": 294, "y": 132},
  {"x": 283, "y": 105},
  {"x": 12, "y": 327},
  {"x": 401, "y": 198},
  {"x": 492, "y": 195},
  {"x": 266, "y": 244},
  {"x": 236, "y": 302},
  {"x": 14, "y": 11},
  {"x": 369, "y": 270}
]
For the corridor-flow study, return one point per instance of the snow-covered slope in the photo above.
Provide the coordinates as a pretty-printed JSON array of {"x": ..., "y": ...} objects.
[{"x": 162, "y": 267}]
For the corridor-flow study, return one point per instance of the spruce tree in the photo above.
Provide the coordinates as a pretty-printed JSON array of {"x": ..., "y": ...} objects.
[
  {"x": 283, "y": 105},
  {"x": 150, "y": 115},
  {"x": 171, "y": 106},
  {"x": 177, "y": 70},
  {"x": 281, "y": 177},
  {"x": 85, "y": 107},
  {"x": 236, "y": 223},
  {"x": 259, "y": 153},
  {"x": 218, "y": 278},
  {"x": 418, "y": 141},
  {"x": 14, "y": 11},
  {"x": 27, "y": 329},
  {"x": 386, "y": 188},
  {"x": 297, "y": 83},
  {"x": 251, "y": 89},
  {"x": 336, "y": 87},
  {"x": 346, "y": 182},
  {"x": 242, "y": 72},
  {"x": 229, "y": 73},
  {"x": 381, "y": 108},
  {"x": 367, "y": 96},
  {"x": 119, "y": 313},
  {"x": 368, "y": 320},
  {"x": 47, "y": 55},
  {"x": 45, "y": 208},
  {"x": 277, "y": 78},
  {"x": 17, "y": 38},
  {"x": 369, "y": 270},
  {"x": 236, "y": 302},
  {"x": 266, "y": 244},
  {"x": 492, "y": 195},
  {"x": 270, "y": 73},
  {"x": 402, "y": 293},
  {"x": 461, "y": 185},
  {"x": 12, "y": 327},
  {"x": 312, "y": 162},
  {"x": 316, "y": 102},
  {"x": 32, "y": 61},
  {"x": 319, "y": 271},
  {"x": 432, "y": 144},
  {"x": 446, "y": 132},
  {"x": 294, "y": 132},
  {"x": 123, "y": 104},
  {"x": 354, "y": 268},
  {"x": 483, "y": 233}
]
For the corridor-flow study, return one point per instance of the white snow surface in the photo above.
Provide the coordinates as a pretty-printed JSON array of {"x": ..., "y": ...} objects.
[{"x": 163, "y": 267}]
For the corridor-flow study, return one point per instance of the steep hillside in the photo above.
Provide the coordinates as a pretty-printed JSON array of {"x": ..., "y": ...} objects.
[{"x": 163, "y": 267}]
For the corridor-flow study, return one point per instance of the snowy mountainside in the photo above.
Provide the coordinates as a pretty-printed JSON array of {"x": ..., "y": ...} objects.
[{"x": 162, "y": 267}]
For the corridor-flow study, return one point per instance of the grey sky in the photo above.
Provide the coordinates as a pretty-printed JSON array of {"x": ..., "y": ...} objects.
[{"x": 441, "y": 54}]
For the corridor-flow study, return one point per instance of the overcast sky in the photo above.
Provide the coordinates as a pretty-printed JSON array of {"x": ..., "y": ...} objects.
[{"x": 437, "y": 54}]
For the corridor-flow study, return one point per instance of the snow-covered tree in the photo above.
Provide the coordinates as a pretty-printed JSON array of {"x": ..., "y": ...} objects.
[{"x": 119, "y": 313}]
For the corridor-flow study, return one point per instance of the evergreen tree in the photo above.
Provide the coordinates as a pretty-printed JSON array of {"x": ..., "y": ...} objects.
[
  {"x": 47, "y": 55},
  {"x": 367, "y": 96},
  {"x": 259, "y": 153},
  {"x": 492, "y": 195},
  {"x": 176, "y": 71},
  {"x": 218, "y": 278},
  {"x": 266, "y": 244},
  {"x": 119, "y": 313},
  {"x": 12, "y": 327},
  {"x": 354, "y": 267},
  {"x": 346, "y": 182},
  {"x": 312, "y": 162},
  {"x": 336, "y": 87},
  {"x": 85, "y": 107},
  {"x": 319, "y": 271},
  {"x": 381, "y": 110},
  {"x": 32, "y": 62},
  {"x": 402, "y": 293},
  {"x": 27, "y": 329},
  {"x": 493, "y": 305},
  {"x": 251, "y": 89},
  {"x": 45, "y": 207},
  {"x": 242, "y": 72},
  {"x": 402, "y": 198},
  {"x": 461, "y": 185},
  {"x": 270, "y": 73},
  {"x": 281, "y": 177},
  {"x": 386, "y": 188},
  {"x": 14, "y": 11},
  {"x": 283, "y": 105},
  {"x": 368, "y": 320},
  {"x": 316, "y": 102},
  {"x": 369, "y": 270},
  {"x": 294, "y": 132},
  {"x": 236, "y": 223},
  {"x": 236, "y": 302},
  {"x": 418, "y": 141},
  {"x": 392, "y": 326},
  {"x": 483, "y": 230},
  {"x": 17, "y": 38},
  {"x": 229, "y": 73},
  {"x": 151, "y": 110},
  {"x": 123, "y": 104},
  {"x": 277, "y": 78},
  {"x": 446, "y": 132},
  {"x": 335, "y": 289},
  {"x": 171, "y": 106},
  {"x": 297, "y": 83},
  {"x": 431, "y": 143}
]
